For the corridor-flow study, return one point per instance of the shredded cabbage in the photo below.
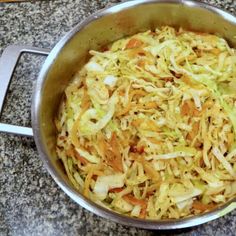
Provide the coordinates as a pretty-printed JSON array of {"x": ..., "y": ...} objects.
[
  {"x": 147, "y": 127},
  {"x": 104, "y": 183}
]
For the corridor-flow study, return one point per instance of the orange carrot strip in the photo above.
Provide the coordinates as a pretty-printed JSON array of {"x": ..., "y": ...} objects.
[
  {"x": 117, "y": 162},
  {"x": 138, "y": 52},
  {"x": 143, "y": 211},
  {"x": 128, "y": 107},
  {"x": 137, "y": 122},
  {"x": 197, "y": 205},
  {"x": 87, "y": 182},
  {"x": 110, "y": 151},
  {"x": 154, "y": 140},
  {"x": 139, "y": 92},
  {"x": 125, "y": 110},
  {"x": 116, "y": 190},
  {"x": 188, "y": 81},
  {"x": 133, "y": 200},
  {"x": 188, "y": 108},
  {"x": 81, "y": 159},
  {"x": 150, "y": 105},
  {"x": 191, "y": 135},
  {"x": 184, "y": 109},
  {"x": 152, "y": 189},
  {"x": 72, "y": 153},
  {"x": 133, "y": 43},
  {"x": 152, "y": 125},
  {"x": 152, "y": 174}
]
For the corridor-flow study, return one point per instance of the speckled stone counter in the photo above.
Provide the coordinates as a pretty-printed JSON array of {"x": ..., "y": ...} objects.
[{"x": 30, "y": 201}]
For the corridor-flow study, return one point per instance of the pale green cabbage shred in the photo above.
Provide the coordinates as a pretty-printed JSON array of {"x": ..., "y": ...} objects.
[{"x": 147, "y": 127}]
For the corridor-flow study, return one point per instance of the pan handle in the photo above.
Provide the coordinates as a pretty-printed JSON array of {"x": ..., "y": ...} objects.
[{"x": 8, "y": 62}]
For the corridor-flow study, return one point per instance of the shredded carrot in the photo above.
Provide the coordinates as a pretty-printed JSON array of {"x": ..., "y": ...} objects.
[
  {"x": 85, "y": 102},
  {"x": 145, "y": 124},
  {"x": 87, "y": 182},
  {"x": 132, "y": 94},
  {"x": 116, "y": 190},
  {"x": 72, "y": 153},
  {"x": 137, "y": 52},
  {"x": 133, "y": 156},
  {"x": 137, "y": 122},
  {"x": 121, "y": 92},
  {"x": 133, "y": 43},
  {"x": 143, "y": 211},
  {"x": 185, "y": 109},
  {"x": 197, "y": 205},
  {"x": 115, "y": 148},
  {"x": 126, "y": 137},
  {"x": 81, "y": 159},
  {"x": 195, "y": 129},
  {"x": 207, "y": 104},
  {"x": 188, "y": 108},
  {"x": 151, "y": 173},
  {"x": 151, "y": 189},
  {"x": 141, "y": 63},
  {"x": 151, "y": 125},
  {"x": 139, "y": 92},
  {"x": 111, "y": 152},
  {"x": 133, "y": 200},
  {"x": 142, "y": 53},
  {"x": 150, "y": 105},
  {"x": 189, "y": 81},
  {"x": 98, "y": 172},
  {"x": 125, "y": 110},
  {"x": 154, "y": 140},
  {"x": 114, "y": 163}
]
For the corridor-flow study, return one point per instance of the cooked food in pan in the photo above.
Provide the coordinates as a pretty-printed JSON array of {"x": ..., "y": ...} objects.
[{"x": 147, "y": 126}]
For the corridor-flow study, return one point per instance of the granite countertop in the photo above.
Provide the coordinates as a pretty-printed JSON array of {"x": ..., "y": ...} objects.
[{"x": 30, "y": 201}]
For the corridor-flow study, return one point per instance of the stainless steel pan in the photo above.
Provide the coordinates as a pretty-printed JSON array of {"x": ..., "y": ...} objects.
[{"x": 71, "y": 52}]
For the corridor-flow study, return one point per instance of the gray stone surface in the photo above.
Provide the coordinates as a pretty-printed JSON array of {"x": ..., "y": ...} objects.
[{"x": 30, "y": 201}]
